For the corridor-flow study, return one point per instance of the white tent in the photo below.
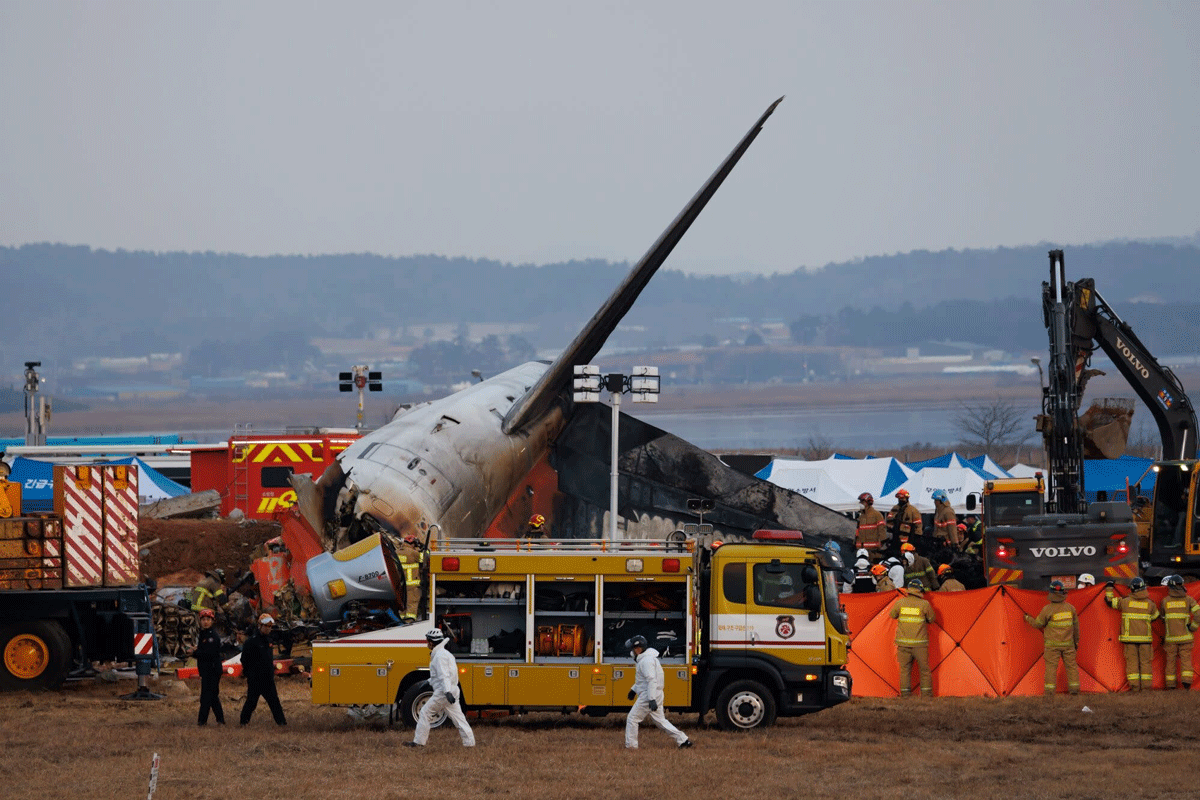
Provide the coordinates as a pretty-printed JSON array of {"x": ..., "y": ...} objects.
[
  {"x": 837, "y": 482},
  {"x": 957, "y": 483},
  {"x": 1023, "y": 471}
]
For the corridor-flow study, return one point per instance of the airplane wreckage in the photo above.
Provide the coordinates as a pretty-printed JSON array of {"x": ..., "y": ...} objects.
[{"x": 479, "y": 462}]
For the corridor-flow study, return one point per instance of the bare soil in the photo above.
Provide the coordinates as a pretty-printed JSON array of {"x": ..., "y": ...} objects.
[
  {"x": 188, "y": 548},
  {"x": 82, "y": 741}
]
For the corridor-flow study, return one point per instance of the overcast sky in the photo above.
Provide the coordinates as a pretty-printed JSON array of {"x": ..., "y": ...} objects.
[{"x": 542, "y": 131}]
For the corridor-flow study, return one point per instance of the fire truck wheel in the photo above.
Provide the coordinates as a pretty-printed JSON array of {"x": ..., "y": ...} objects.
[
  {"x": 36, "y": 655},
  {"x": 745, "y": 705},
  {"x": 414, "y": 700}
]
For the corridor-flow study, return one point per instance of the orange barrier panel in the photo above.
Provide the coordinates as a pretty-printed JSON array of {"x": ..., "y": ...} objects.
[{"x": 981, "y": 645}]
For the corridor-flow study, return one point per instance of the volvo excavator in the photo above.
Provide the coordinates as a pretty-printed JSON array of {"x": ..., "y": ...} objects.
[
  {"x": 1066, "y": 536},
  {"x": 1169, "y": 528}
]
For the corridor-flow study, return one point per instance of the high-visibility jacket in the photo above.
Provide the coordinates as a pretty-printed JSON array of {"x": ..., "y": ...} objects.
[
  {"x": 871, "y": 529},
  {"x": 208, "y": 593},
  {"x": 904, "y": 520},
  {"x": 1137, "y": 612},
  {"x": 1059, "y": 622},
  {"x": 945, "y": 524},
  {"x": 912, "y": 613},
  {"x": 1181, "y": 616},
  {"x": 974, "y": 545},
  {"x": 922, "y": 570}
]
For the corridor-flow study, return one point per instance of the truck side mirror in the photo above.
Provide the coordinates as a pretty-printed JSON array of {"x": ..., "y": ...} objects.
[
  {"x": 809, "y": 575},
  {"x": 812, "y": 601},
  {"x": 971, "y": 502}
]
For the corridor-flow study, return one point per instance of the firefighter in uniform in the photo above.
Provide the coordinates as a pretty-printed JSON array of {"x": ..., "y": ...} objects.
[
  {"x": 1059, "y": 623},
  {"x": 1137, "y": 612},
  {"x": 920, "y": 568},
  {"x": 871, "y": 528},
  {"x": 411, "y": 556},
  {"x": 912, "y": 613},
  {"x": 973, "y": 536},
  {"x": 1181, "y": 617},
  {"x": 949, "y": 582},
  {"x": 882, "y": 582},
  {"x": 210, "y": 592},
  {"x": 945, "y": 523},
  {"x": 903, "y": 522},
  {"x": 537, "y": 528}
]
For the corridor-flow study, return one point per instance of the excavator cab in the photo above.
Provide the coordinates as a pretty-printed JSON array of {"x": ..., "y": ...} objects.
[{"x": 1176, "y": 512}]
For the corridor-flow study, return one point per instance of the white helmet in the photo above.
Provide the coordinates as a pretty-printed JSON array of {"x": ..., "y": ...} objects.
[
  {"x": 862, "y": 553},
  {"x": 1086, "y": 579}
]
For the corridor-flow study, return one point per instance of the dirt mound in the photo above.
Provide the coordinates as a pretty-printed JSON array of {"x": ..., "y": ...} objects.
[{"x": 198, "y": 545}]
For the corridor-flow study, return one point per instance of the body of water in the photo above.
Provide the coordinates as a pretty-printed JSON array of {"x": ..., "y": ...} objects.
[{"x": 843, "y": 428}]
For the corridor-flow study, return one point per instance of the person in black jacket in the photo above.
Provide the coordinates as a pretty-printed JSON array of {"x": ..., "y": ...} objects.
[
  {"x": 258, "y": 667},
  {"x": 208, "y": 662}
]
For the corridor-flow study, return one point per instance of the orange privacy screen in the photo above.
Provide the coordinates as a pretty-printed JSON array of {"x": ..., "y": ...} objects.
[{"x": 981, "y": 645}]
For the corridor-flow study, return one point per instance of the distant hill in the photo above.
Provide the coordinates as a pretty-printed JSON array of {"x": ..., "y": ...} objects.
[{"x": 69, "y": 301}]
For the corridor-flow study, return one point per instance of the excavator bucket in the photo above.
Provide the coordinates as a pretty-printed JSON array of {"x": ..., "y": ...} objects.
[{"x": 1105, "y": 427}]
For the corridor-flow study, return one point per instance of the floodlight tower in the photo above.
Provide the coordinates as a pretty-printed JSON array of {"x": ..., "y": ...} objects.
[
  {"x": 642, "y": 384},
  {"x": 361, "y": 378}
]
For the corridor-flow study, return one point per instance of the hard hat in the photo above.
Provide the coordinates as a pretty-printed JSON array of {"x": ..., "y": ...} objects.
[
  {"x": 1086, "y": 579},
  {"x": 537, "y": 521},
  {"x": 785, "y": 581},
  {"x": 866, "y": 497},
  {"x": 1057, "y": 587},
  {"x": 915, "y": 585},
  {"x": 1136, "y": 585},
  {"x": 1175, "y": 581},
  {"x": 636, "y": 641},
  {"x": 217, "y": 574},
  {"x": 943, "y": 569},
  {"x": 940, "y": 495},
  {"x": 893, "y": 561},
  {"x": 266, "y": 619},
  {"x": 435, "y": 635},
  {"x": 902, "y": 494},
  {"x": 207, "y": 613},
  {"x": 878, "y": 570},
  {"x": 907, "y": 547},
  {"x": 862, "y": 553},
  {"x": 962, "y": 528}
]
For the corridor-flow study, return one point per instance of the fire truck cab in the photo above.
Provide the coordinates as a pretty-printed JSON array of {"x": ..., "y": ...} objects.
[{"x": 750, "y": 630}]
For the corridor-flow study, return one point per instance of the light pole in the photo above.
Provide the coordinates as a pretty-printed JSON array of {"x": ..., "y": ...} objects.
[
  {"x": 643, "y": 384},
  {"x": 36, "y": 408},
  {"x": 362, "y": 378}
]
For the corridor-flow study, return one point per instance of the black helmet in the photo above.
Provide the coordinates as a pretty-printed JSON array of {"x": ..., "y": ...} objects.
[
  {"x": 435, "y": 636},
  {"x": 636, "y": 641},
  {"x": 1058, "y": 587},
  {"x": 916, "y": 585},
  {"x": 1175, "y": 581},
  {"x": 217, "y": 574},
  {"x": 1136, "y": 585}
]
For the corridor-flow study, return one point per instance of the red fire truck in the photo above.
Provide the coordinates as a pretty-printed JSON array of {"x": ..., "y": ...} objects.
[{"x": 252, "y": 471}]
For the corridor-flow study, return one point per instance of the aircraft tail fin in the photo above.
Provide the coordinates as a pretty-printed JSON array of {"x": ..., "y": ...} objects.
[{"x": 593, "y": 336}]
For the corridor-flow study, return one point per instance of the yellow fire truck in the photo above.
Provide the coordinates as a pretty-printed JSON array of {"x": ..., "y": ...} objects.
[{"x": 751, "y": 630}]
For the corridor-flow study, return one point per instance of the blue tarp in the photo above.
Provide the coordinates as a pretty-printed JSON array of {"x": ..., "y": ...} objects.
[{"x": 1110, "y": 475}]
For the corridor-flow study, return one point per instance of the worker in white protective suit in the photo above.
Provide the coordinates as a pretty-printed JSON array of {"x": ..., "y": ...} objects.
[
  {"x": 648, "y": 691},
  {"x": 443, "y": 677}
]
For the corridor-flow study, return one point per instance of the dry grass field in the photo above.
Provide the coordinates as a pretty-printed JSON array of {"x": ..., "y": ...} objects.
[{"x": 83, "y": 742}]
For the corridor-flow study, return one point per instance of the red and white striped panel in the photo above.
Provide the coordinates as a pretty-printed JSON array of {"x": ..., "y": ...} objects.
[
  {"x": 52, "y": 563},
  {"x": 143, "y": 644},
  {"x": 120, "y": 525},
  {"x": 83, "y": 543}
]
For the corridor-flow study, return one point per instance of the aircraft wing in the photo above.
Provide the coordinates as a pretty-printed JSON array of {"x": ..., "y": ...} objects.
[{"x": 593, "y": 336}]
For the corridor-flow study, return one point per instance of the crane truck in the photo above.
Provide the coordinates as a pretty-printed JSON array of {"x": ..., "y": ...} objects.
[
  {"x": 69, "y": 586},
  {"x": 1065, "y": 536}
]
